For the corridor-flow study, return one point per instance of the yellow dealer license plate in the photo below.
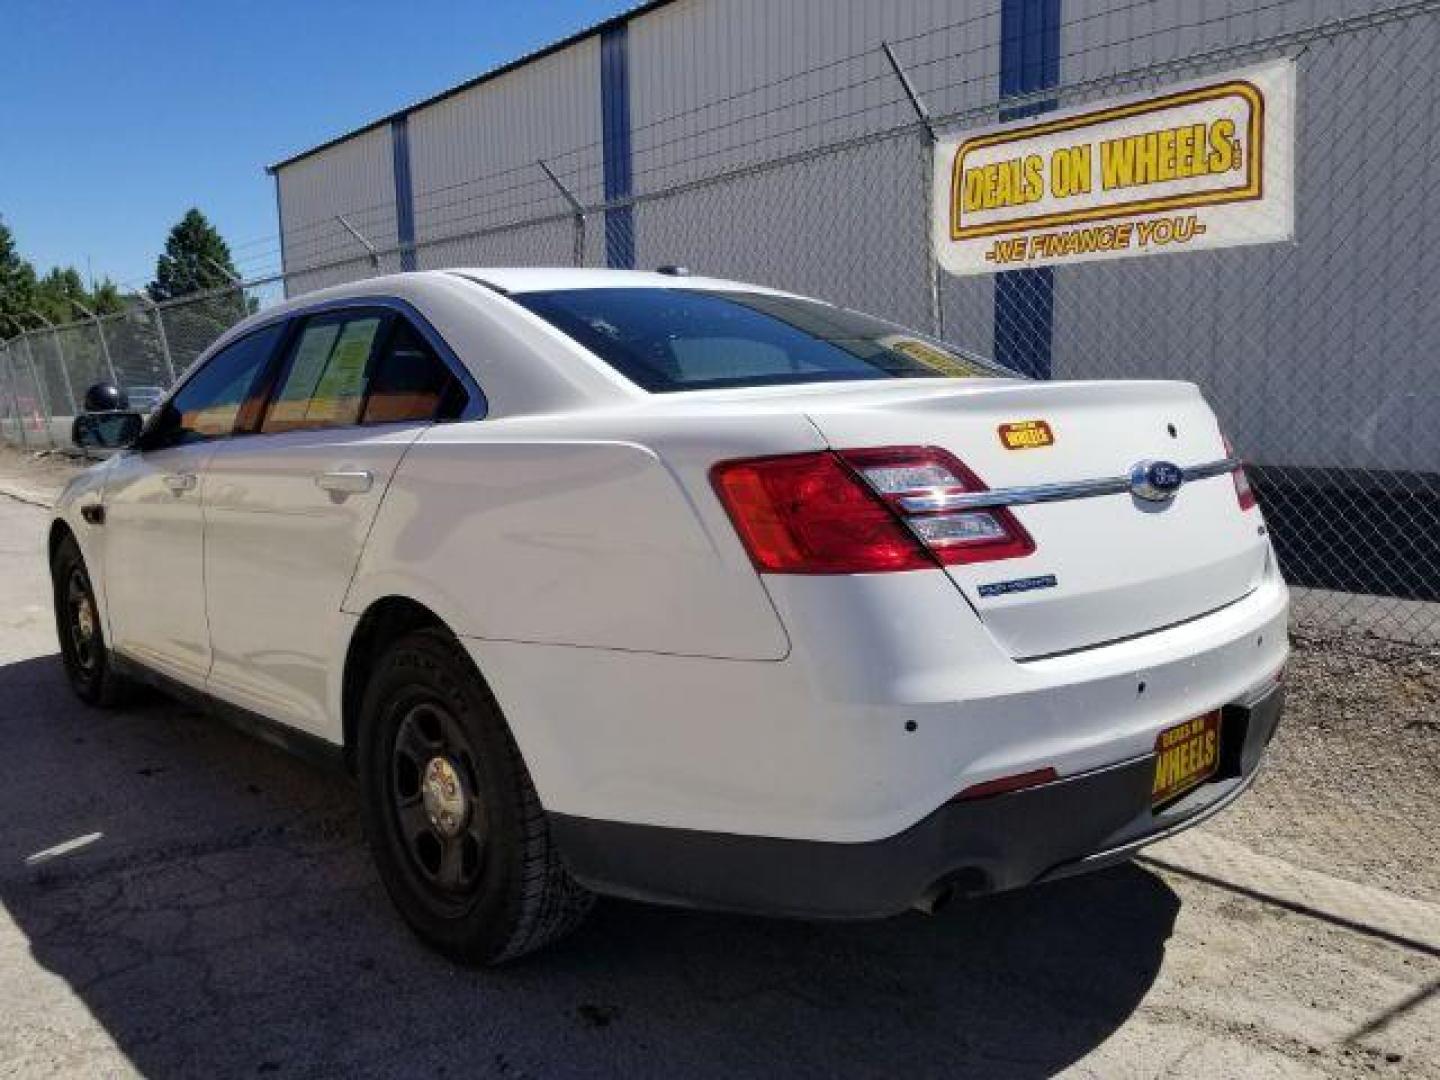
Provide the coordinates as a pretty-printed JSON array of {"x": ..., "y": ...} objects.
[{"x": 1186, "y": 755}]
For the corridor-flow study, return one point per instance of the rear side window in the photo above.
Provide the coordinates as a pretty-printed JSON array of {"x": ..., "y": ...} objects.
[
  {"x": 210, "y": 402},
  {"x": 411, "y": 382},
  {"x": 692, "y": 339}
]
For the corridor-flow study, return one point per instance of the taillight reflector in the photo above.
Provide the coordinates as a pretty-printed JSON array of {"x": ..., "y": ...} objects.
[
  {"x": 952, "y": 536},
  {"x": 1243, "y": 491},
  {"x": 1004, "y": 784},
  {"x": 841, "y": 513}
]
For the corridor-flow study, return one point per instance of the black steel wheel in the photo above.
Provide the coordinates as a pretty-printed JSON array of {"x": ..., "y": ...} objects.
[
  {"x": 77, "y": 623},
  {"x": 435, "y": 797},
  {"x": 81, "y": 621},
  {"x": 457, "y": 831}
]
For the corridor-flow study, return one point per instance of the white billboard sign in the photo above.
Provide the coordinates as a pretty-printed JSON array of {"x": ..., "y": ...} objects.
[{"x": 1204, "y": 164}]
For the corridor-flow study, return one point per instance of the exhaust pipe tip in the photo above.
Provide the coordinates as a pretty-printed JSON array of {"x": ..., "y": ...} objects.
[
  {"x": 935, "y": 899},
  {"x": 970, "y": 881}
]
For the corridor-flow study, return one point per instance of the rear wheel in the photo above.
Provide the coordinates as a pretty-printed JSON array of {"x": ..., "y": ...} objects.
[
  {"x": 83, "y": 652},
  {"x": 453, "y": 820}
]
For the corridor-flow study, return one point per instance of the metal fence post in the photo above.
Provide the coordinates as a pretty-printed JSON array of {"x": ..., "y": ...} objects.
[
  {"x": 234, "y": 280},
  {"x": 576, "y": 205},
  {"x": 42, "y": 394},
  {"x": 370, "y": 251},
  {"x": 15, "y": 392},
  {"x": 140, "y": 297},
  {"x": 930, "y": 138},
  {"x": 14, "y": 387},
  {"x": 104, "y": 345},
  {"x": 60, "y": 355},
  {"x": 4, "y": 402}
]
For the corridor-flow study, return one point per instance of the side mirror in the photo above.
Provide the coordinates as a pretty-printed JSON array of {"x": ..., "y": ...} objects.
[{"x": 106, "y": 430}]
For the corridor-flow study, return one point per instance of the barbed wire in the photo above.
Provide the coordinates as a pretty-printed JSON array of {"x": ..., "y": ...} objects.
[{"x": 556, "y": 159}]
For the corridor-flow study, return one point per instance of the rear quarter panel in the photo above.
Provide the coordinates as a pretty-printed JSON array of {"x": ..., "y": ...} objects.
[{"x": 594, "y": 533}]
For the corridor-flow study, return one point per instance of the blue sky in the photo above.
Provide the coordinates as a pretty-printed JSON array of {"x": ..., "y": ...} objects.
[{"x": 115, "y": 117}]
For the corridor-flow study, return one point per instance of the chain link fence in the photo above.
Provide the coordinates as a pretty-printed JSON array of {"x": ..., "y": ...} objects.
[{"x": 1318, "y": 355}]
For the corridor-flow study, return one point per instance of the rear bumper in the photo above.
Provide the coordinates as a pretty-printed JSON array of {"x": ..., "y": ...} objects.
[
  {"x": 893, "y": 699},
  {"x": 1072, "y": 825}
]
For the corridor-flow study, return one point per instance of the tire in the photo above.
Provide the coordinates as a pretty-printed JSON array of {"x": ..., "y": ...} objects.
[
  {"x": 453, "y": 821},
  {"x": 83, "y": 652}
]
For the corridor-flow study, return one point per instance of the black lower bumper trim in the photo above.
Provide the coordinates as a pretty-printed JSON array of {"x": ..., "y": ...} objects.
[{"x": 1071, "y": 825}]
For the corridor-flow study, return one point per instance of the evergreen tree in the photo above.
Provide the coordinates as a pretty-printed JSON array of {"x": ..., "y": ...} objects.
[
  {"x": 17, "y": 287},
  {"x": 57, "y": 292},
  {"x": 196, "y": 258},
  {"x": 105, "y": 298},
  {"x": 56, "y": 296}
]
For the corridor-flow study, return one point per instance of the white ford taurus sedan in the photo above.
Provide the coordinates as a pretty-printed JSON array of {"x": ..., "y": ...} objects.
[{"x": 685, "y": 590}]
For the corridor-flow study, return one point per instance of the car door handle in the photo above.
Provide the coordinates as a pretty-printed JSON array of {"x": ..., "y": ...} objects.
[
  {"x": 345, "y": 481},
  {"x": 178, "y": 482}
]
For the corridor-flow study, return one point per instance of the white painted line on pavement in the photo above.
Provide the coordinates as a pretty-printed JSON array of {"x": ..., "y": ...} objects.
[{"x": 62, "y": 849}]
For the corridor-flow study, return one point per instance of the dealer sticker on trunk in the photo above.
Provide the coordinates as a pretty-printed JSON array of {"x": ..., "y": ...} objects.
[{"x": 1026, "y": 435}]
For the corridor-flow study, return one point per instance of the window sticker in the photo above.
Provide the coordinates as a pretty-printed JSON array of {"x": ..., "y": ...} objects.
[
  {"x": 342, "y": 386},
  {"x": 938, "y": 360},
  {"x": 305, "y": 371}
]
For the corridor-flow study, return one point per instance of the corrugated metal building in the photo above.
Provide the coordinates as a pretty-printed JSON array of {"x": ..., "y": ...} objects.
[
  {"x": 666, "y": 94},
  {"x": 639, "y": 112}
]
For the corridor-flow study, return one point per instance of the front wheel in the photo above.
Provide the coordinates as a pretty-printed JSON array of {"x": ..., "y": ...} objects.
[
  {"x": 455, "y": 826},
  {"x": 83, "y": 652}
]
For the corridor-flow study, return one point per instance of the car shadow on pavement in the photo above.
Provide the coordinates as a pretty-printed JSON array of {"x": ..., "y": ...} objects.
[{"x": 210, "y": 902}]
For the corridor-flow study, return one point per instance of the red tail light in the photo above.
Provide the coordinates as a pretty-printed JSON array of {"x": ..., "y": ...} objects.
[
  {"x": 827, "y": 513},
  {"x": 808, "y": 514},
  {"x": 1243, "y": 491}
]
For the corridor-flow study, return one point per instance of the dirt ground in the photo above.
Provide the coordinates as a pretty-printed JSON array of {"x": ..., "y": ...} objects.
[
  {"x": 1350, "y": 787},
  {"x": 36, "y": 476}
]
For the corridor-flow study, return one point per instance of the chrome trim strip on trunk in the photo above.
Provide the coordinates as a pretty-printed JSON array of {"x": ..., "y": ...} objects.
[{"x": 939, "y": 499}]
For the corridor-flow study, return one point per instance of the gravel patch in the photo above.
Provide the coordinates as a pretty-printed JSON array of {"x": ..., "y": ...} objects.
[{"x": 1350, "y": 784}]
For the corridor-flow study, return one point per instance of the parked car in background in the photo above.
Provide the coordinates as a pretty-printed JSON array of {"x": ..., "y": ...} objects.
[
  {"x": 144, "y": 399},
  {"x": 685, "y": 590}
]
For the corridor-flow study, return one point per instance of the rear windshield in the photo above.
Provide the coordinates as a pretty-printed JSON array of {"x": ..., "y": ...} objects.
[{"x": 691, "y": 339}]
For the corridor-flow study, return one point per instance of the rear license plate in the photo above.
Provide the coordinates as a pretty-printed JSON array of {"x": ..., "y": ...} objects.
[{"x": 1185, "y": 755}]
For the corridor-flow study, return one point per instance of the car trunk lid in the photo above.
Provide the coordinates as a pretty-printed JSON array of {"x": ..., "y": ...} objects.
[{"x": 1106, "y": 563}]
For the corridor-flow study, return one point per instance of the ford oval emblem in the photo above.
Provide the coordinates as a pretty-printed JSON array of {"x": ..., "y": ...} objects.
[{"x": 1155, "y": 481}]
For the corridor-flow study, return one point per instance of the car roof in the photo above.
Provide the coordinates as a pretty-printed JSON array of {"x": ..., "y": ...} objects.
[
  {"x": 525, "y": 279},
  {"x": 435, "y": 285},
  {"x": 509, "y": 280}
]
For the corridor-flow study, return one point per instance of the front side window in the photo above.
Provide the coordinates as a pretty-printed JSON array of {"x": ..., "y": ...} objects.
[
  {"x": 326, "y": 373},
  {"x": 692, "y": 339},
  {"x": 210, "y": 402},
  {"x": 361, "y": 367}
]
